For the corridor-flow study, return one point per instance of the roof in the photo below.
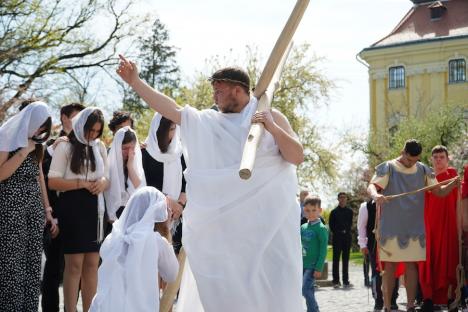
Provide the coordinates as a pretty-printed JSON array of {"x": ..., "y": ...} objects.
[{"x": 417, "y": 25}]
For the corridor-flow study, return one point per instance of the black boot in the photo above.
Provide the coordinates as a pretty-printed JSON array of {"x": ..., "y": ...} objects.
[{"x": 427, "y": 306}]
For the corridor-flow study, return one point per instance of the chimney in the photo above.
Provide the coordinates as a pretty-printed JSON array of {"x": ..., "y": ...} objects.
[
  {"x": 437, "y": 9},
  {"x": 418, "y": 2}
]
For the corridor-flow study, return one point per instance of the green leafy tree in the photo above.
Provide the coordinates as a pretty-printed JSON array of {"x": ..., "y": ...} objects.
[
  {"x": 302, "y": 87},
  {"x": 446, "y": 126}
]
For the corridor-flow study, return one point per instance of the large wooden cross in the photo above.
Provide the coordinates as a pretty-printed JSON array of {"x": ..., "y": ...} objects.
[{"x": 266, "y": 86}]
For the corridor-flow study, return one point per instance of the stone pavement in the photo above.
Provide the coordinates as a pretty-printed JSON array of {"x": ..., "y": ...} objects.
[{"x": 357, "y": 299}]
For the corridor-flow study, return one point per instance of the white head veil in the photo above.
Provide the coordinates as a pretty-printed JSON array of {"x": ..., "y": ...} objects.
[
  {"x": 128, "y": 275},
  {"x": 117, "y": 195},
  {"x": 172, "y": 180},
  {"x": 78, "y": 124},
  {"x": 16, "y": 131}
]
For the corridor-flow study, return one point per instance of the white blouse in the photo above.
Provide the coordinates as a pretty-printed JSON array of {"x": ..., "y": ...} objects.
[{"x": 60, "y": 165}]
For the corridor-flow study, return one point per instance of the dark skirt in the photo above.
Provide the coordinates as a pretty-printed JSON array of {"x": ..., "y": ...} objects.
[
  {"x": 77, "y": 213},
  {"x": 108, "y": 225}
]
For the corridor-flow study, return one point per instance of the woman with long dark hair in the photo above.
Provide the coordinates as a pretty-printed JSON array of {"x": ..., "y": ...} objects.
[
  {"x": 23, "y": 204},
  {"x": 125, "y": 171},
  {"x": 79, "y": 172},
  {"x": 163, "y": 164}
]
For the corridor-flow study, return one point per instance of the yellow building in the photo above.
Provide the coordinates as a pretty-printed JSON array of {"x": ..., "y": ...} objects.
[{"x": 421, "y": 64}]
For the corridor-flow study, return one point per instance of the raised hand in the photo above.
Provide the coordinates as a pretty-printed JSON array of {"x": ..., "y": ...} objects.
[
  {"x": 127, "y": 70},
  {"x": 131, "y": 158}
]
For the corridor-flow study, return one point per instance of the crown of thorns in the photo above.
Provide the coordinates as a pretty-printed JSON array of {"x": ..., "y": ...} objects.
[
  {"x": 233, "y": 75},
  {"x": 212, "y": 79}
]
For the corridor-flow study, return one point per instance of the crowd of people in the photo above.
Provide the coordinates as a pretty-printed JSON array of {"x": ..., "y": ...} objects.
[
  {"x": 412, "y": 226},
  {"x": 81, "y": 188},
  {"x": 109, "y": 218}
]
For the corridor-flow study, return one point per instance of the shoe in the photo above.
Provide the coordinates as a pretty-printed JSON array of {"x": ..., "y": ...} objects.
[
  {"x": 348, "y": 285},
  {"x": 427, "y": 306},
  {"x": 448, "y": 306},
  {"x": 336, "y": 285},
  {"x": 378, "y": 307}
]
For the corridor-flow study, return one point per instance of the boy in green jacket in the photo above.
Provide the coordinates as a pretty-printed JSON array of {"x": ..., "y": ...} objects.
[{"x": 314, "y": 237}]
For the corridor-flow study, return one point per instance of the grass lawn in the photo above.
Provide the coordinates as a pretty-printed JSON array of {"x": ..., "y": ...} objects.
[{"x": 355, "y": 257}]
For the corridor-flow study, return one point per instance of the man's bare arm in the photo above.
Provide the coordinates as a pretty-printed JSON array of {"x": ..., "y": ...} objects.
[
  {"x": 444, "y": 190},
  {"x": 158, "y": 101},
  {"x": 278, "y": 125},
  {"x": 374, "y": 194}
]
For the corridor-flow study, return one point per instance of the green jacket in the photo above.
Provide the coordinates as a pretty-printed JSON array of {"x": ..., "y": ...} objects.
[{"x": 314, "y": 238}]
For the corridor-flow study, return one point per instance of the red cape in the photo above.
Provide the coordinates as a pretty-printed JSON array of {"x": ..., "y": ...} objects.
[{"x": 439, "y": 269}]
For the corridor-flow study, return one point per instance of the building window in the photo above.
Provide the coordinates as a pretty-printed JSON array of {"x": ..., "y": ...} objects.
[
  {"x": 396, "y": 77},
  {"x": 457, "y": 71}
]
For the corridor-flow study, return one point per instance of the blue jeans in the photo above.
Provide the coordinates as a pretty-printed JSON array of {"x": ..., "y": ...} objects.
[{"x": 308, "y": 290}]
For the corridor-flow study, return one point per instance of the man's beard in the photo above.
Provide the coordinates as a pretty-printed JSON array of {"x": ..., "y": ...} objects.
[{"x": 231, "y": 107}]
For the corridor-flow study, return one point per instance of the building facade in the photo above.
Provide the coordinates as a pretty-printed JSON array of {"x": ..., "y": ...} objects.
[{"x": 420, "y": 65}]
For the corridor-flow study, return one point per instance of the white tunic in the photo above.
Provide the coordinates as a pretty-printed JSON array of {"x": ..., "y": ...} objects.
[{"x": 241, "y": 237}]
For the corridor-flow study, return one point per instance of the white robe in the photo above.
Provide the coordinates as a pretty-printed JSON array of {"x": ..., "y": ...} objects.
[
  {"x": 241, "y": 237},
  {"x": 133, "y": 255}
]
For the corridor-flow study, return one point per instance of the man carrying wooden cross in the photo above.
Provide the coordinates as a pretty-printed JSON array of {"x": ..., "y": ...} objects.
[{"x": 241, "y": 237}]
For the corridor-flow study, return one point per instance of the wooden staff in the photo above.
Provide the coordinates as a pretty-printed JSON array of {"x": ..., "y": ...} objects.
[
  {"x": 167, "y": 300},
  {"x": 277, "y": 56}
]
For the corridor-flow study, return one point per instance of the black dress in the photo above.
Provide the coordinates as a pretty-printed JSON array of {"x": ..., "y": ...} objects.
[
  {"x": 154, "y": 174},
  {"x": 77, "y": 214},
  {"x": 21, "y": 227}
]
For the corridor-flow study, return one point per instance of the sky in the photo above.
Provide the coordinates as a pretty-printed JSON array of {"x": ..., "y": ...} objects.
[{"x": 335, "y": 29}]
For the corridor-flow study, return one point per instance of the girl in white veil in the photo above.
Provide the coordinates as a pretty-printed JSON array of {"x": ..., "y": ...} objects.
[
  {"x": 133, "y": 255},
  {"x": 23, "y": 205},
  {"x": 164, "y": 163},
  {"x": 125, "y": 171},
  {"x": 79, "y": 171}
]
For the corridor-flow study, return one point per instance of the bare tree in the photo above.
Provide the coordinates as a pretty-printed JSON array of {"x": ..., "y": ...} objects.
[{"x": 40, "y": 39}]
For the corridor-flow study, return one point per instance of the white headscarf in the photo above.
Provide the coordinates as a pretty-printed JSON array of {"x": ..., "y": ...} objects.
[
  {"x": 16, "y": 131},
  {"x": 172, "y": 180},
  {"x": 116, "y": 195},
  {"x": 78, "y": 123},
  {"x": 128, "y": 275}
]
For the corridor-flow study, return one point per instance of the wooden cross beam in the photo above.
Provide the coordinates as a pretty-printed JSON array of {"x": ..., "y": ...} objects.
[{"x": 266, "y": 85}]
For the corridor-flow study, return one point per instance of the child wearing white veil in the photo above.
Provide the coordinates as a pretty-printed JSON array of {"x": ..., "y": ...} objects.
[
  {"x": 133, "y": 255},
  {"x": 125, "y": 171}
]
